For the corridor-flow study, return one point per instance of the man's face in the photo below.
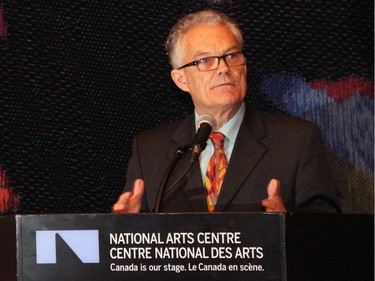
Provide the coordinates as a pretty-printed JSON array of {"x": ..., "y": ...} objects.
[{"x": 215, "y": 91}]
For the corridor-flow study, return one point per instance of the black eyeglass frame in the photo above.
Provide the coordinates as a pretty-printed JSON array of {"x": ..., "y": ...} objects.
[{"x": 195, "y": 63}]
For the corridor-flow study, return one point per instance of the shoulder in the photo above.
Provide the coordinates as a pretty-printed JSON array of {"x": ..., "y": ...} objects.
[
  {"x": 165, "y": 131},
  {"x": 279, "y": 128},
  {"x": 280, "y": 122}
]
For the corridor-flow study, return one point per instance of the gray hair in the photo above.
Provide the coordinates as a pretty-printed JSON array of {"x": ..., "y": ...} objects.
[{"x": 205, "y": 17}]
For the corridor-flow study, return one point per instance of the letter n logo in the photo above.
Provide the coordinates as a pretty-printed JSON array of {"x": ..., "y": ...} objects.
[{"x": 84, "y": 243}]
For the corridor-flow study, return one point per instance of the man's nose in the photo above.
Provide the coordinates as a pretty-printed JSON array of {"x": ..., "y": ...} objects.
[{"x": 223, "y": 66}]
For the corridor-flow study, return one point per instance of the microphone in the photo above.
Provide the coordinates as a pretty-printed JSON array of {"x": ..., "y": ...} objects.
[{"x": 206, "y": 124}]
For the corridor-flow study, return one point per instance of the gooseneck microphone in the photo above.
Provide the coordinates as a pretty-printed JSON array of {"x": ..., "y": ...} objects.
[{"x": 206, "y": 124}]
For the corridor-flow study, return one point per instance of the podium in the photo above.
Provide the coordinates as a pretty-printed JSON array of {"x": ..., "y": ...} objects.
[{"x": 194, "y": 246}]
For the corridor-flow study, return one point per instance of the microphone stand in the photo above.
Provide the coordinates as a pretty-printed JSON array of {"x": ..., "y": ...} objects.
[
  {"x": 178, "y": 154},
  {"x": 206, "y": 125},
  {"x": 196, "y": 151}
]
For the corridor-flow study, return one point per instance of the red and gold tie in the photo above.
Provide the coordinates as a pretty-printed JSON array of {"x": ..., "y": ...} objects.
[{"x": 216, "y": 168}]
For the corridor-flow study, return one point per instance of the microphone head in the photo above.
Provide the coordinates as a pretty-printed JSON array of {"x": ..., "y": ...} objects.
[
  {"x": 207, "y": 119},
  {"x": 206, "y": 124}
]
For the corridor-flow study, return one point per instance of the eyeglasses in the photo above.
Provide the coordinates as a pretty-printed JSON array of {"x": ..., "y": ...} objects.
[{"x": 212, "y": 63}]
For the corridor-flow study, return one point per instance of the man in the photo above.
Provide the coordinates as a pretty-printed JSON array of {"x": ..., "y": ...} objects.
[{"x": 273, "y": 163}]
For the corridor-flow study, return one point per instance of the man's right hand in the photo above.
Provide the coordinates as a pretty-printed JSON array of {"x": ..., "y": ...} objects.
[{"x": 130, "y": 202}]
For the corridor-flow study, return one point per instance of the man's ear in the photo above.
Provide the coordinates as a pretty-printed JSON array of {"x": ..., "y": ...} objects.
[{"x": 179, "y": 78}]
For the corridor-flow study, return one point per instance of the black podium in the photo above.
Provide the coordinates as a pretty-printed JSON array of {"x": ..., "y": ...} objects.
[{"x": 238, "y": 246}]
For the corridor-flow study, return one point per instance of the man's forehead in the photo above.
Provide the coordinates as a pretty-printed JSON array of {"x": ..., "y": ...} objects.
[{"x": 203, "y": 40}]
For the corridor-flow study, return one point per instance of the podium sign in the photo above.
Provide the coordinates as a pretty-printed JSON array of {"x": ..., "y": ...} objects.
[{"x": 252, "y": 246}]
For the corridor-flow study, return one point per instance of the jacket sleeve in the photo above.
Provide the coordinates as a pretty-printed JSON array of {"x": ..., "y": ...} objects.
[
  {"x": 314, "y": 187},
  {"x": 134, "y": 172}
]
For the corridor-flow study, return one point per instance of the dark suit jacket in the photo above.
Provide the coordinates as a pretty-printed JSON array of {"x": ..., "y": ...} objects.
[{"x": 268, "y": 146}]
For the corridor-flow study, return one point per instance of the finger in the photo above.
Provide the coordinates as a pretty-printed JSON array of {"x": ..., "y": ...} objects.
[
  {"x": 273, "y": 189},
  {"x": 124, "y": 197},
  {"x": 273, "y": 205},
  {"x": 138, "y": 188},
  {"x": 268, "y": 204},
  {"x": 119, "y": 208},
  {"x": 121, "y": 205},
  {"x": 135, "y": 201}
]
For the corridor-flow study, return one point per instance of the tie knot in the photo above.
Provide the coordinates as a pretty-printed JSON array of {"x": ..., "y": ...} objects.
[{"x": 217, "y": 139}]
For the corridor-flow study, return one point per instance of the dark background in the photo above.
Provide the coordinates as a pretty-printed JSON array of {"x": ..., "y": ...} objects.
[{"x": 79, "y": 79}]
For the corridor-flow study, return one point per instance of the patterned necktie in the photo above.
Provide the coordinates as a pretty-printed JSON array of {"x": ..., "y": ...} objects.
[{"x": 216, "y": 168}]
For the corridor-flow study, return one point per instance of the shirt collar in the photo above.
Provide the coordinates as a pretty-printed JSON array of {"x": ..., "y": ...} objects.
[{"x": 232, "y": 126}]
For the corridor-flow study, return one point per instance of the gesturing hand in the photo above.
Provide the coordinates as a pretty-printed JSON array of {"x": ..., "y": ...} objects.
[
  {"x": 274, "y": 202},
  {"x": 130, "y": 202}
]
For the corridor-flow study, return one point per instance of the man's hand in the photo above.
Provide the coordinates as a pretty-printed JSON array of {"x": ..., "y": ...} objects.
[
  {"x": 130, "y": 202},
  {"x": 274, "y": 202}
]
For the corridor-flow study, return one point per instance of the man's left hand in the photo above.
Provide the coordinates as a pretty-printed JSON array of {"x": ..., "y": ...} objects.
[{"x": 274, "y": 202}]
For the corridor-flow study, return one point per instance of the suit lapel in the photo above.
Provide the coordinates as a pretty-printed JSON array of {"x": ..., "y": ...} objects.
[{"x": 247, "y": 152}]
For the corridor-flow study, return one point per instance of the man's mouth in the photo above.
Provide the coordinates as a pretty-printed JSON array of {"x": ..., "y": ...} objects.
[{"x": 224, "y": 85}]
